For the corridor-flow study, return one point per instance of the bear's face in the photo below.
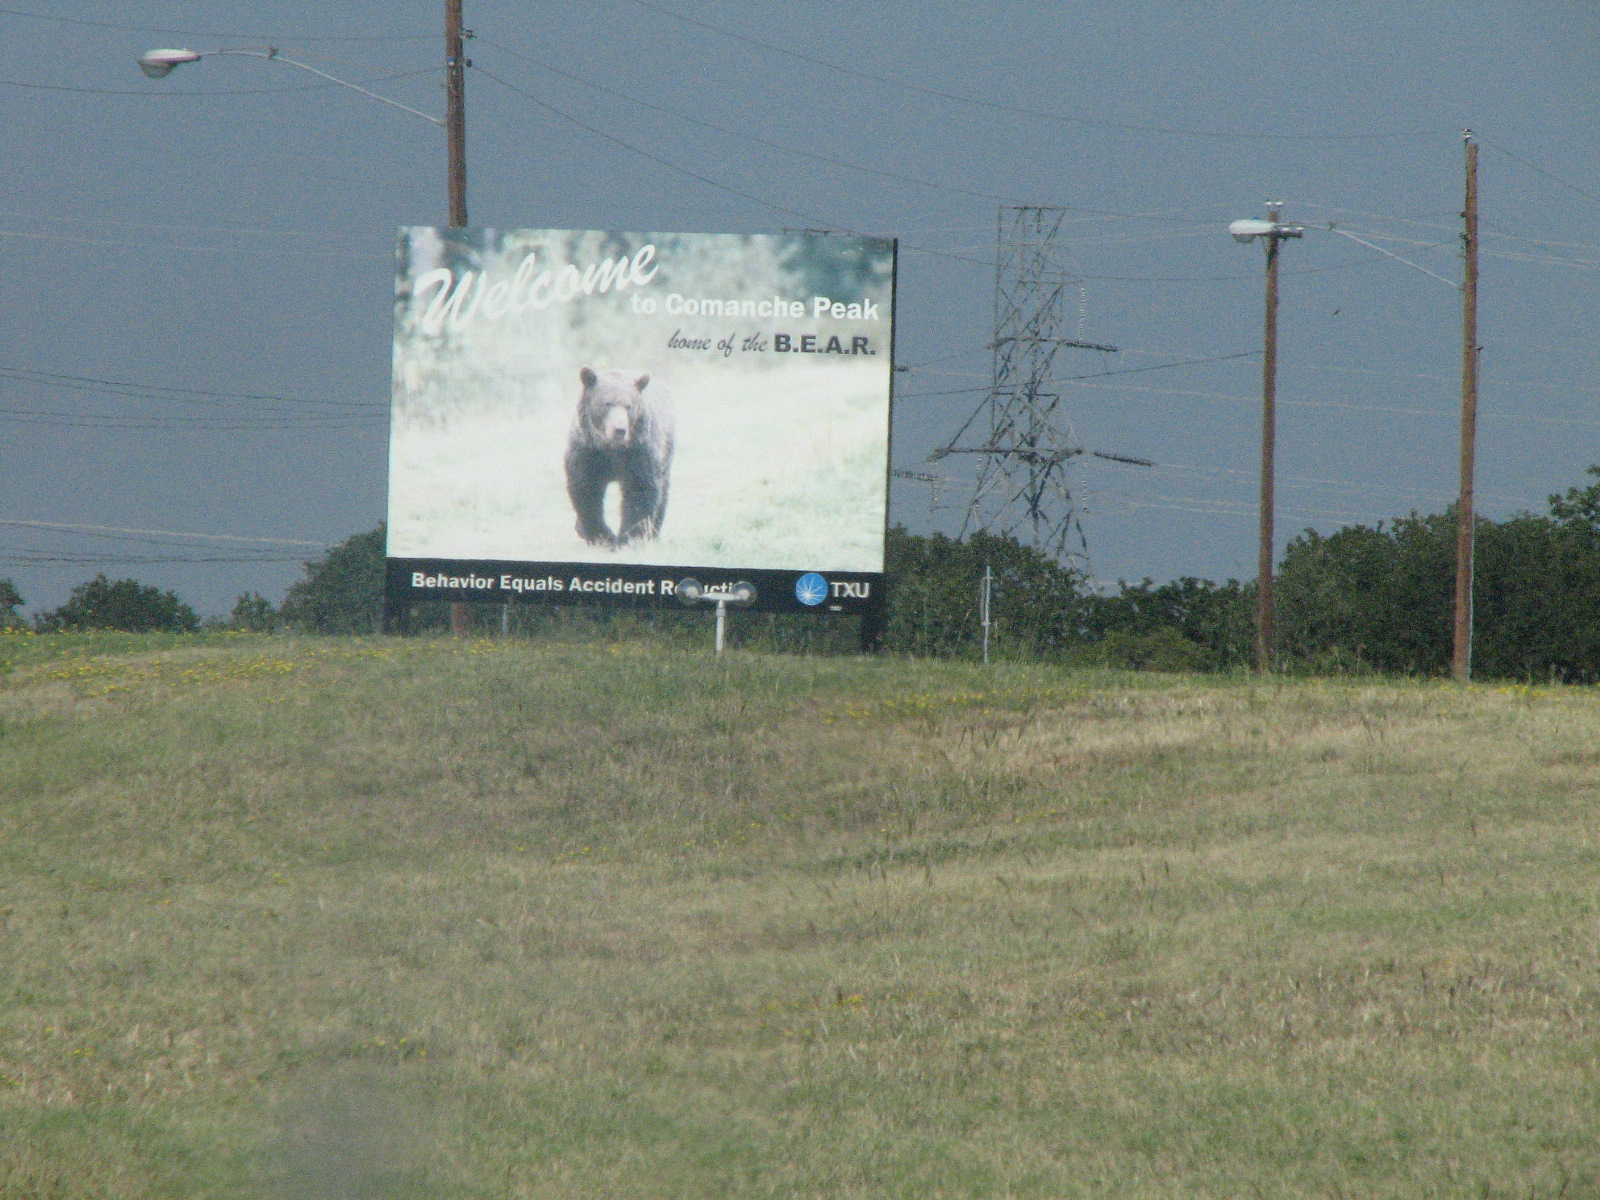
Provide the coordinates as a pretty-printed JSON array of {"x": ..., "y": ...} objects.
[{"x": 610, "y": 407}]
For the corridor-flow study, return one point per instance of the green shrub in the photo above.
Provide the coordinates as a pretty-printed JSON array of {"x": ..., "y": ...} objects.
[
  {"x": 255, "y": 613},
  {"x": 10, "y": 601},
  {"x": 124, "y": 604},
  {"x": 341, "y": 592}
]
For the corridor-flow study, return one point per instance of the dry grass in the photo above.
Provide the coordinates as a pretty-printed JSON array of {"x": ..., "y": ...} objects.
[{"x": 361, "y": 918}]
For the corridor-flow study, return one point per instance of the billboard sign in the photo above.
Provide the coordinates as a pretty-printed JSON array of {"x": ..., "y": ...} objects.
[{"x": 595, "y": 416}]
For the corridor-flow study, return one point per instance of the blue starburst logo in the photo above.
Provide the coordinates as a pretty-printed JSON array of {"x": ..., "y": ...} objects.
[{"x": 811, "y": 589}]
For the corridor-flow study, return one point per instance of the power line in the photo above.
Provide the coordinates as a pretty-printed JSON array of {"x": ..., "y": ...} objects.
[
  {"x": 124, "y": 244},
  {"x": 1545, "y": 260},
  {"x": 293, "y": 413},
  {"x": 1228, "y": 396},
  {"x": 1360, "y": 262},
  {"x": 170, "y": 93},
  {"x": 1144, "y": 238},
  {"x": 1432, "y": 274},
  {"x": 1085, "y": 277},
  {"x": 1558, "y": 260},
  {"x": 1555, "y": 258},
  {"x": 1170, "y": 217},
  {"x": 121, "y": 532},
  {"x": 327, "y": 415},
  {"x": 167, "y": 544},
  {"x": 749, "y": 137},
  {"x": 821, "y": 221},
  {"x": 1551, "y": 175},
  {"x": 1504, "y": 383},
  {"x": 1358, "y": 212},
  {"x": 378, "y": 37},
  {"x": 655, "y": 158},
  {"x": 67, "y": 560},
  {"x": 810, "y": 218},
  {"x": 1193, "y": 362},
  {"x": 1495, "y": 231},
  {"x": 1233, "y": 508},
  {"x": 1505, "y": 255},
  {"x": 1392, "y": 237},
  {"x": 195, "y": 425},
  {"x": 248, "y": 230},
  {"x": 1016, "y": 110},
  {"x": 1299, "y": 367},
  {"x": 813, "y": 219},
  {"x": 946, "y": 358},
  {"x": 1404, "y": 412},
  {"x": 154, "y": 391},
  {"x": 1355, "y": 487}
]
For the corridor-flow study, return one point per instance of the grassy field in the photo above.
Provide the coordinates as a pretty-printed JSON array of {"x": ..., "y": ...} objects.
[{"x": 318, "y": 919}]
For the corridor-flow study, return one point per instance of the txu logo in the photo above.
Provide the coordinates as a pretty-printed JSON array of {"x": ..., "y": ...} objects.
[{"x": 811, "y": 589}]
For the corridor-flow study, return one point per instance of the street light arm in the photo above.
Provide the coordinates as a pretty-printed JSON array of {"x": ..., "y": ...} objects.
[
  {"x": 161, "y": 62},
  {"x": 1449, "y": 283},
  {"x": 274, "y": 54}
]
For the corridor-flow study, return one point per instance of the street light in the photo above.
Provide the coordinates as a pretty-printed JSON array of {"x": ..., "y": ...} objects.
[
  {"x": 1271, "y": 232},
  {"x": 158, "y": 64}
]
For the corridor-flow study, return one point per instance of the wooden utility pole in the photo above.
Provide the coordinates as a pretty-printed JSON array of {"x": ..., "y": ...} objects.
[
  {"x": 455, "y": 130},
  {"x": 1274, "y": 232},
  {"x": 1269, "y": 442},
  {"x": 1461, "y": 659},
  {"x": 455, "y": 111}
]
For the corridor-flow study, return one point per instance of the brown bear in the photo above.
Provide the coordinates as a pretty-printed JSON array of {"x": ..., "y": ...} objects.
[{"x": 622, "y": 434}]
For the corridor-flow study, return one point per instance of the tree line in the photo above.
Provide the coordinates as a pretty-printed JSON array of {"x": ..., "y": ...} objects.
[{"x": 1366, "y": 598}]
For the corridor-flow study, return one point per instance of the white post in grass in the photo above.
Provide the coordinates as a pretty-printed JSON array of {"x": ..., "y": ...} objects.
[{"x": 984, "y": 595}]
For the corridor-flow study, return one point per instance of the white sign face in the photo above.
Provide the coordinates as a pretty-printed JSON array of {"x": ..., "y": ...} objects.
[{"x": 708, "y": 402}]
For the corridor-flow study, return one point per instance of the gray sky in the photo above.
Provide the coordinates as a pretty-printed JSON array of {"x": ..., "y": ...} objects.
[{"x": 230, "y": 231}]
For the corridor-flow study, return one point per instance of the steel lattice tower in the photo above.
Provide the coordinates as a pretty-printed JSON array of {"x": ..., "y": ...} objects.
[{"x": 1024, "y": 439}]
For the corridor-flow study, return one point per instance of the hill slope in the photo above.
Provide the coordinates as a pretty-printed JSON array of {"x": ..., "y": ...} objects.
[{"x": 358, "y": 917}]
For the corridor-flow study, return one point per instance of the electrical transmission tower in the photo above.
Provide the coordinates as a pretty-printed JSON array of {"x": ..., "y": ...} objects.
[{"x": 1019, "y": 431}]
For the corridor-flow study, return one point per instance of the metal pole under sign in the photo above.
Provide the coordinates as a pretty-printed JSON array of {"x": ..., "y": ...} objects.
[{"x": 741, "y": 595}]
